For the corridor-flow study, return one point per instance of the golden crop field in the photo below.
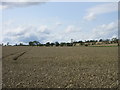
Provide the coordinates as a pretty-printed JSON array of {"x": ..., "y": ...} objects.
[{"x": 60, "y": 67}]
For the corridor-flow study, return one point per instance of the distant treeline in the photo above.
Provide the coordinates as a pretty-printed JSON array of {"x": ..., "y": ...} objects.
[{"x": 72, "y": 43}]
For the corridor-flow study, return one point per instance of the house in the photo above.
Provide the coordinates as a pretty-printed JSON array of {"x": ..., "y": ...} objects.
[
  {"x": 78, "y": 43},
  {"x": 99, "y": 43}
]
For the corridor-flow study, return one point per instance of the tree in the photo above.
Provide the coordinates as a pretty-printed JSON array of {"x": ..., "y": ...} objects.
[
  {"x": 34, "y": 43},
  {"x": 100, "y": 40},
  {"x": 96, "y": 40},
  {"x": 47, "y": 44},
  {"x": 81, "y": 42},
  {"x": 15, "y": 45},
  {"x": 41, "y": 44},
  {"x": 87, "y": 41},
  {"x": 52, "y": 44},
  {"x": 86, "y": 45},
  {"x": 7, "y": 43},
  {"x": 115, "y": 40},
  {"x": 62, "y": 44},
  {"x": 57, "y": 44},
  {"x": 31, "y": 44},
  {"x": 69, "y": 44},
  {"x": 21, "y": 44},
  {"x": 107, "y": 41}
]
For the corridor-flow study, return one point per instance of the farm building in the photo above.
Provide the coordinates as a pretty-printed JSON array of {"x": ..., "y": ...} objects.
[{"x": 99, "y": 43}]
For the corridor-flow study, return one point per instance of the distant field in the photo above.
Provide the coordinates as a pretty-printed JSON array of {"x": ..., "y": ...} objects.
[
  {"x": 107, "y": 45},
  {"x": 60, "y": 67}
]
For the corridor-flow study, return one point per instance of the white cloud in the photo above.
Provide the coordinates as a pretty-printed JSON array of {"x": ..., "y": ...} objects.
[
  {"x": 105, "y": 31},
  {"x": 101, "y": 9},
  {"x": 8, "y": 23},
  {"x": 90, "y": 16},
  {"x": 58, "y": 23},
  {"x": 44, "y": 29},
  {"x": 72, "y": 29},
  {"x": 24, "y": 33},
  {"x": 19, "y": 3},
  {"x": 43, "y": 33}
]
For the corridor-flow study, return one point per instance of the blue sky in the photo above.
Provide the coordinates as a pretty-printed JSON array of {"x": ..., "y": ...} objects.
[{"x": 58, "y": 21}]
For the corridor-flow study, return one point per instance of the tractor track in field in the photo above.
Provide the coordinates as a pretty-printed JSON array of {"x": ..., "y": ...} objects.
[
  {"x": 21, "y": 53},
  {"x": 10, "y": 55},
  {"x": 15, "y": 58}
]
